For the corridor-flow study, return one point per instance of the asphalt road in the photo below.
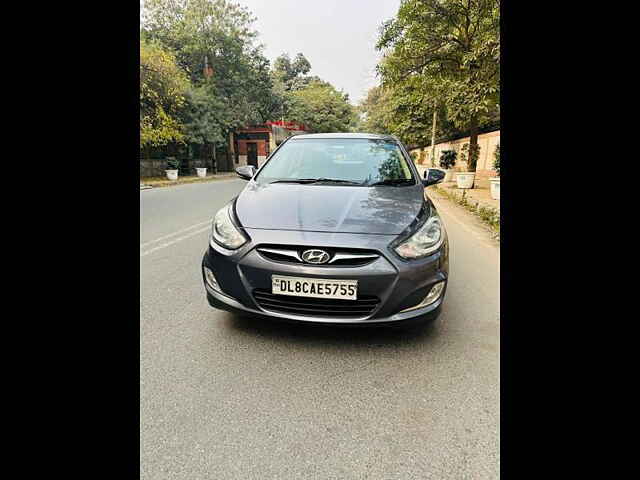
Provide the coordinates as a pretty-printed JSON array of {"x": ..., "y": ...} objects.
[{"x": 230, "y": 398}]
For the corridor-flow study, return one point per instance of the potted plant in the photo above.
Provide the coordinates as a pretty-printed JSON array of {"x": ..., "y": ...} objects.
[
  {"x": 173, "y": 165},
  {"x": 202, "y": 172},
  {"x": 447, "y": 162},
  {"x": 495, "y": 181},
  {"x": 466, "y": 179}
]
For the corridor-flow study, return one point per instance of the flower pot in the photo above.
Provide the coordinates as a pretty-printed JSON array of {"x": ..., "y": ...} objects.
[
  {"x": 495, "y": 188},
  {"x": 448, "y": 175},
  {"x": 202, "y": 172},
  {"x": 172, "y": 174},
  {"x": 465, "y": 179}
]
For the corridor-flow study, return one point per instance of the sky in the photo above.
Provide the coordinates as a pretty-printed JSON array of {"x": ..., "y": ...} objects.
[{"x": 338, "y": 37}]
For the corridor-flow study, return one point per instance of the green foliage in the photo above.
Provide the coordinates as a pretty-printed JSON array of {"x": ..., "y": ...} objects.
[
  {"x": 308, "y": 99},
  {"x": 448, "y": 159},
  {"x": 403, "y": 111},
  {"x": 205, "y": 120},
  {"x": 162, "y": 88},
  {"x": 470, "y": 155},
  {"x": 446, "y": 50},
  {"x": 242, "y": 89},
  {"x": 220, "y": 32},
  {"x": 322, "y": 108},
  {"x": 374, "y": 112},
  {"x": 496, "y": 162},
  {"x": 173, "y": 163},
  {"x": 291, "y": 73}
]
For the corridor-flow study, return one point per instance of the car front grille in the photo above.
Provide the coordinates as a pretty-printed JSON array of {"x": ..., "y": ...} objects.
[
  {"x": 317, "y": 307},
  {"x": 345, "y": 257}
]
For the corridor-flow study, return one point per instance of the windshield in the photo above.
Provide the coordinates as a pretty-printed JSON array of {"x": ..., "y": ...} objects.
[{"x": 355, "y": 160}]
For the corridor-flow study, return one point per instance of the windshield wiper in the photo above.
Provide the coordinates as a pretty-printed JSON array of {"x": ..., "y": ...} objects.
[
  {"x": 316, "y": 180},
  {"x": 392, "y": 181},
  {"x": 291, "y": 180}
]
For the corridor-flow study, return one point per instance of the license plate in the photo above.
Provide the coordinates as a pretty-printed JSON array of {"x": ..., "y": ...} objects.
[{"x": 314, "y": 287}]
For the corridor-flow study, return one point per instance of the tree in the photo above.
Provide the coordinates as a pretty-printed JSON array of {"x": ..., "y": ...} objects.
[
  {"x": 219, "y": 33},
  {"x": 401, "y": 110},
  {"x": 289, "y": 76},
  {"x": 450, "y": 49},
  {"x": 162, "y": 96},
  {"x": 374, "y": 111},
  {"x": 308, "y": 99},
  {"x": 203, "y": 124},
  {"x": 288, "y": 72},
  {"x": 322, "y": 108}
]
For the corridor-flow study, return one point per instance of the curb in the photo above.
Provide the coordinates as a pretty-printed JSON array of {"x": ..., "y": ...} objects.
[
  {"x": 202, "y": 180},
  {"x": 487, "y": 214},
  {"x": 145, "y": 187}
]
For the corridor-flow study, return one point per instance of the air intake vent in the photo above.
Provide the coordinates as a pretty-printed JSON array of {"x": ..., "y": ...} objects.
[{"x": 316, "y": 307}]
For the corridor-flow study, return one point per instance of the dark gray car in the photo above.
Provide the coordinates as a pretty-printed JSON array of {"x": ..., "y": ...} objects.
[{"x": 333, "y": 228}]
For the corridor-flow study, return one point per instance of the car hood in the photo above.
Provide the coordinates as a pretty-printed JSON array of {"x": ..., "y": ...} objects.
[{"x": 384, "y": 210}]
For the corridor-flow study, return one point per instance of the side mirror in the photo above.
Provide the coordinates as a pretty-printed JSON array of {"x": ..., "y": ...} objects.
[
  {"x": 432, "y": 176},
  {"x": 246, "y": 171}
]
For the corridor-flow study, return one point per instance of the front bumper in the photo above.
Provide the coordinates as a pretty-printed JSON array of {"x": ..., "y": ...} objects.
[{"x": 397, "y": 283}]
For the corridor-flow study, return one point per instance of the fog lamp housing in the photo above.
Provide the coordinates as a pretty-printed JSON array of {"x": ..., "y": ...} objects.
[
  {"x": 434, "y": 294},
  {"x": 211, "y": 279}
]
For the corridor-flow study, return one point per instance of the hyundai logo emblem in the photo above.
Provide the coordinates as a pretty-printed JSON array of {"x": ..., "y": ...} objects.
[{"x": 315, "y": 256}]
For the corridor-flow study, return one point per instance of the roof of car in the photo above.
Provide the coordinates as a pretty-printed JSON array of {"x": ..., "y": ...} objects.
[{"x": 344, "y": 135}]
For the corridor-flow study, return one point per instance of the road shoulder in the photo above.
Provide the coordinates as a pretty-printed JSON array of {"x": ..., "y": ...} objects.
[
  {"x": 470, "y": 222},
  {"x": 158, "y": 182}
]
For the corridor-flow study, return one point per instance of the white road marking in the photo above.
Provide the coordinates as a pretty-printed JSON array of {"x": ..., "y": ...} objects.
[
  {"x": 179, "y": 239},
  {"x": 142, "y": 245}
]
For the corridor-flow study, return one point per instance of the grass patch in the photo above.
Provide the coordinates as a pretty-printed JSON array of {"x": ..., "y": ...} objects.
[
  {"x": 489, "y": 216},
  {"x": 157, "y": 182}
]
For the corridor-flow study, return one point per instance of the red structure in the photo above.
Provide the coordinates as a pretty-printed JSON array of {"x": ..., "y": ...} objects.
[
  {"x": 288, "y": 125},
  {"x": 252, "y": 145}
]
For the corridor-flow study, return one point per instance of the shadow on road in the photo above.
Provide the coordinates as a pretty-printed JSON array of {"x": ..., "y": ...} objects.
[{"x": 335, "y": 335}]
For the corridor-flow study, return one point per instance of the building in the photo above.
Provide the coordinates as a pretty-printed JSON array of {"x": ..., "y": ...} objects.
[
  {"x": 252, "y": 145},
  {"x": 246, "y": 146}
]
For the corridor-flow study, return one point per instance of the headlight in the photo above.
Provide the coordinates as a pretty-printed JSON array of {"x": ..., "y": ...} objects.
[
  {"x": 425, "y": 241},
  {"x": 225, "y": 232}
]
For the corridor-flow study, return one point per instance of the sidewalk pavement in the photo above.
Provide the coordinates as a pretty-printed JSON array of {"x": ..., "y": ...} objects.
[
  {"x": 480, "y": 196},
  {"x": 152, "y": 182}
]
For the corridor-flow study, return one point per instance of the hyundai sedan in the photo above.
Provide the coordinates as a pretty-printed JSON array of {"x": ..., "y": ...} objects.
[{"x": 332, "y": 228}]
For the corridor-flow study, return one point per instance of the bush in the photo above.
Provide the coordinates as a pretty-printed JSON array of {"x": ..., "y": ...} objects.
[
  {"x": 173, "y": 163},
  {"x": 496, "y": 162},
  {"x": 448, "y": 159},
  {"x": 470, "y": 156}
]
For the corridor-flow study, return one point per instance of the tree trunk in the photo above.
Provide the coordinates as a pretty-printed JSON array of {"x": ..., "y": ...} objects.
[
  {"x": 433, "y": 134},
  {"x": 205, "y": 154},
  {"x": 473, "y": 145},
  {"x": 214, "y": 165}
]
